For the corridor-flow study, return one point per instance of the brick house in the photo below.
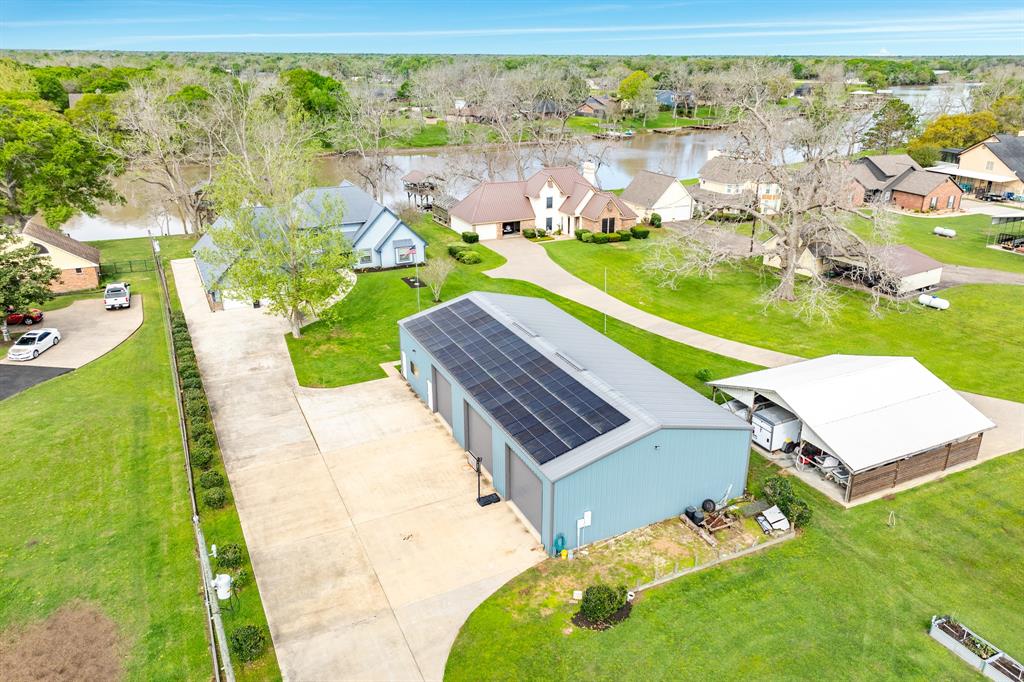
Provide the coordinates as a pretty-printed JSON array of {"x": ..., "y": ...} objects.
[
  {"x": 898, "y": 179},
  {"x": 79, "y": 263}
]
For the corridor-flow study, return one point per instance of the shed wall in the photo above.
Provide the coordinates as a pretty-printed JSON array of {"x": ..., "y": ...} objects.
[{"x": 650, "y": 480}]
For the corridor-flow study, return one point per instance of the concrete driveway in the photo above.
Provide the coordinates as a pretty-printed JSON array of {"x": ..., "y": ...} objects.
[{"x": 358, "y": 508}]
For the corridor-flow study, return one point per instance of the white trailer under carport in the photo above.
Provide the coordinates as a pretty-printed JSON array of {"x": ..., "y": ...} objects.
[
  {"x": 887, "y": 419},
  {"x": 578, "y": 426}
]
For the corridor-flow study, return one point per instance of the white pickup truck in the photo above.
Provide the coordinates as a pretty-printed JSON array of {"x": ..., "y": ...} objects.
[{"x": 117, "y": 295}]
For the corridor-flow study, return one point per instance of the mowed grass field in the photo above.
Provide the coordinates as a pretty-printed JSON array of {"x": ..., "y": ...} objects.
[
  {"x": 94, "y": 505},
  {"x": 364, "y": 333},
  {"x": 849, "y": 599},
  {"x": 977, "y": 345}
]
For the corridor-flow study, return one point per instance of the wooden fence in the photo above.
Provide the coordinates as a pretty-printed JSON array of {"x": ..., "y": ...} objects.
[{"x": 889, "y": 475}]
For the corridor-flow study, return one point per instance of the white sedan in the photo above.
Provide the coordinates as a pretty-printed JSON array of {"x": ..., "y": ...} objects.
[{"x": 32, "y": 343}]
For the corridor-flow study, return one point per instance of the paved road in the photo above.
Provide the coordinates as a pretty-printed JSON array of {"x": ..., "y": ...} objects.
[
  {"x": 15, "y": 378},
  {"x": 530, "y": 262},
  {"x": 358, "y": 507}
]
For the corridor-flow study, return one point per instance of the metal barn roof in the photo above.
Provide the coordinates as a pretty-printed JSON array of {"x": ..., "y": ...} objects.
[
  {"x": 866, "y": 410},
  {"x": 647, "y": 396}
]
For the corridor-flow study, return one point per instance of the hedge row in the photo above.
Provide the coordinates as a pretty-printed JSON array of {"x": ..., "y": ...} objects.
[{"x": 619, "y": 236}]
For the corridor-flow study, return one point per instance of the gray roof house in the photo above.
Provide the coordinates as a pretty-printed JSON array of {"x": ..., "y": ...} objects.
[
  {"x": 568, "y": 424},
  {"x": 883, "y": 175},
  {"x": 379, "y": 238}
]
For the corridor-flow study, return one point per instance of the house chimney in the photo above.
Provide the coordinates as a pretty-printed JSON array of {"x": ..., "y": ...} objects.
[
  {"x": 589, "y": 172},
  {"x": 712, "y": 153}
]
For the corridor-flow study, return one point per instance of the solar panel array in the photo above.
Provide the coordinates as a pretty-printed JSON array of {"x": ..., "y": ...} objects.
[{"x": 539, "y": 404}]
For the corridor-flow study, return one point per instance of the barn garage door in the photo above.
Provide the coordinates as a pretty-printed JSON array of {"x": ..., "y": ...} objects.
[
  {"x": 479, "y": 438},
  {"x": 443, "y": 397},
  {"x": 525, "y": 490}
]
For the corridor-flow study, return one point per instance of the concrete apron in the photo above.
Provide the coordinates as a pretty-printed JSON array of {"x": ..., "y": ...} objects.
[{"x": 358, "y": 508}]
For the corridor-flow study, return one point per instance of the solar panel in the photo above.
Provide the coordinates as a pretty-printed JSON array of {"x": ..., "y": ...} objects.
[{"x": 539, "y": 404}]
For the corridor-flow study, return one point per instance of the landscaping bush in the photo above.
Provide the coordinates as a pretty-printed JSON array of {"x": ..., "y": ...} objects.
[
  {"x": 587, "y": 236},
  {"x": 188, "y": 372},
  {"x": 197, "y": 412},
  {"x": 640, "y": 232},
  {"x": 582, "y": 231},
  {"x": 704, "y": 375},
  {"x": 655, "y": 220},
  {"x": 186, "y": 355},
  {"x": 194, "y": 395},
  {"x": 529, "y": 232},
  {"x": 242, "y": 579},
  {"x": 191, "y": 382},
  {"x": 614, "y": 237},
  {"x": 201, "y": 457},
  {"x": 601, "y": 601},
  {"x": 600, "y": 238},
  {"x": 455, "y": 249},
  {"x": 470, "y": 237},
  {"x": 624, "y": 235},
  {"x": 799, "y": 513},
  {"x": 468, "y": 257},
  {"x": 541, "y": 232},
  {"x": 230, "y": 556},
  {"x": 186, "y": 366},
  {"x": 248, "y": 643},
  {"x": 210, "y": 479},
  {"x": 778, "y": 490},
  {"x": 215, "y": 498},
  {"x": 200, "y": 429},
  {"x": 205, "y": 440}
]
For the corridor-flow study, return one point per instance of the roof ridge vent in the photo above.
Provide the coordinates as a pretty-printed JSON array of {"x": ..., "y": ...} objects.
[
  {"x": 572, "y": 363},
  {"x": 523, "y": 328}
]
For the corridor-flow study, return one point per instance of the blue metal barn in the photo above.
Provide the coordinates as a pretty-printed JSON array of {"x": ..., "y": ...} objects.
[{"x": 584, "y": 437}]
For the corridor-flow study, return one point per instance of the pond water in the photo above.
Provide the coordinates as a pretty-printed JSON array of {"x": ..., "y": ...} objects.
[{"x": 679, "y": 155}]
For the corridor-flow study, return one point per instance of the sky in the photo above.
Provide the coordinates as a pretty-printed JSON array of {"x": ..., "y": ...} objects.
[{"x": 685, "y": 27}]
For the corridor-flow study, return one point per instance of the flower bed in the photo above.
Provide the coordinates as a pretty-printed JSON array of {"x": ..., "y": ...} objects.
[{"x": 975, "y": 650}]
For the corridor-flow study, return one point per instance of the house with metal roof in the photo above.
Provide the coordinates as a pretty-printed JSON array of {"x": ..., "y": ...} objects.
[
  {"x": 869, "y": 423},
  {"x": 552, "y": 199},
  {"x": 585, "y": 439},
  {"x": 651, "y": 192},
  {"x": 379, "y": 238}
]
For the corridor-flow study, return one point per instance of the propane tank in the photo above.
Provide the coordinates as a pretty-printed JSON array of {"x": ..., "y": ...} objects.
[{"x": 933, "y": 301}]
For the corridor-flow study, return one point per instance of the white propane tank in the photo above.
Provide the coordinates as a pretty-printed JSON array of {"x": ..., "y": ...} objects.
[
  {"x": 944, "y": 232},
  {"x": 933, "y": 302}
]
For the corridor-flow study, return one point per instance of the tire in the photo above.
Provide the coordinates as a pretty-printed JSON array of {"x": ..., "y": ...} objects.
[
  {"x": 35, "y": 354},
  {"x": 28, "y": 322},
  {"x": 708, "y": 505},
  {"x": 56, "y": 341}
]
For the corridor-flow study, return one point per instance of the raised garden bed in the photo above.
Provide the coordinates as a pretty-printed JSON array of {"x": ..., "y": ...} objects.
[{"x": 978, "y": 652}]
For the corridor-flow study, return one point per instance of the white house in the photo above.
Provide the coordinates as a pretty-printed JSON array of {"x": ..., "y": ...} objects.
[
  {"x": 379, "y": 238},
  {"x": 553, "y": 199},
  {"x": 651, "y": 192},
  {"x": 726, "y": 179}
]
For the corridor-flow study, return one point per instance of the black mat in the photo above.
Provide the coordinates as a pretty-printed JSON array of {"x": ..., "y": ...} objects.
[
  {"x": 16, "y": 378},
  {"x": 413, "y": 282}
]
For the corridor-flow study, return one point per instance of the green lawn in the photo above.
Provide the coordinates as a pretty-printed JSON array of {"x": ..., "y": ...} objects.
[
  {"x": 663, "y": 119},
  {"x": 967, "y": 248},
  {"x": 948, "y": 342},
  {"x": 99, "y": 512},
  {"x": 364, "y": 334},
  {"x": 850, "y": 599}
]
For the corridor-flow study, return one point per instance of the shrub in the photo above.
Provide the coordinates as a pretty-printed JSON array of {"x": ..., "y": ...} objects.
[
  {"x": 188, "y": 372},
  {"x": 455, "y": 249},
  {"x": 206, "y": 440},
  {"x": 600, "y": 237},
  {"x": 704, "y": 375},
  {"x": 242, "y": 579},
  {"x": 200, "y": 429},
  {"x": 655, "y": 220},
  {"x": 581, "y": 232},
  {"x": 601, "y": 601},
  {"x": 230, "y": 556},
  {"x": 587, "y": 237},
  {"x": 529, "y": 232},
  {"x": 186, "y": 355},
  {"x": 197, "y": 412},
  {"x": 614, "y": 237},
  {"x": 191, "y": 382},
  {"x": 186, "y": 366},
  {"x": 799, "y": 513},
  {"x": 640, "y": 232},
  {"x": 468, "y": 257},
  {"x": 470, "y": 237},
  {"x": 215, "y": 498},
  {"x": 201, "y": 457},
  {"x": 210, "y": 479},
  {"x": 248, "y": 643},
  {"x": 541, "y": 232},
  {"x": 778, "y": 490},
  {"x": 624, "y": 235},
  {"x": 193, "y": 395}
]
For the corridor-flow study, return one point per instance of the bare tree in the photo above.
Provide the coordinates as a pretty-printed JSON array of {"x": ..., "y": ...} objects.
[
  {"x": 435, "y": 273},
  {"x": 805, "y": 206},
  {"x": 368, "y": 132}
]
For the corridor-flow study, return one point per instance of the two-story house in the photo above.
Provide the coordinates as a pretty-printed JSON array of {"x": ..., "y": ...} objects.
[
  {"x": 734, "y": 182},
  {"x": 994, "y": 165}
]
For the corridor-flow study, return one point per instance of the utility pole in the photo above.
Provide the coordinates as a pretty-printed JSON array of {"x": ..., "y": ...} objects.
[{"x": 606, "y": 293}]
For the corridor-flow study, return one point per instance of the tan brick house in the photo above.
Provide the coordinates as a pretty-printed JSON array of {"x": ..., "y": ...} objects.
[{"x": 79, "y": 263}]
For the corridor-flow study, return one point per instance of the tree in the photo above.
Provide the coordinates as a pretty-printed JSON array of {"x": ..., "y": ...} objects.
[
  {"x": 24, "y": 275},
  {"x": 48, "y": 166},
  {"x": 317, "y": 94},
  {"x": 278, "y": 244},
  {"x": 892, "y": 125},
  {"x": 367, "y": 133},
  {"x": 435, "y": 273},
  {"x": 16, "y": 81},
  {"x": 51, "y": 89},
  {"x": 1009, "y": 113},
  {"x": 811, "y": 204},
  {"x": 952, "y": 130},
  {"x": 637, "y": 90}
]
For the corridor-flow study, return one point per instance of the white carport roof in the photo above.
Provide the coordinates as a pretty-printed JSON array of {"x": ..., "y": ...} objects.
[{"x": 866, "y": 410}]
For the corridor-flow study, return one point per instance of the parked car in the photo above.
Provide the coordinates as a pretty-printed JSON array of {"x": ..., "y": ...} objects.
[
  {"x": 31, "y": 344},
  {"x": 29, "y": 317},
  {"x": 117, "y": 295}
]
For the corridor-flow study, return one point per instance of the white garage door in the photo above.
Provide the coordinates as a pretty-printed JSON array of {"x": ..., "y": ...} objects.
[
  {"x": 443, "y": 397},
  {"x": 524, "y": 488},
  {"x": 478, "y": 439}
]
